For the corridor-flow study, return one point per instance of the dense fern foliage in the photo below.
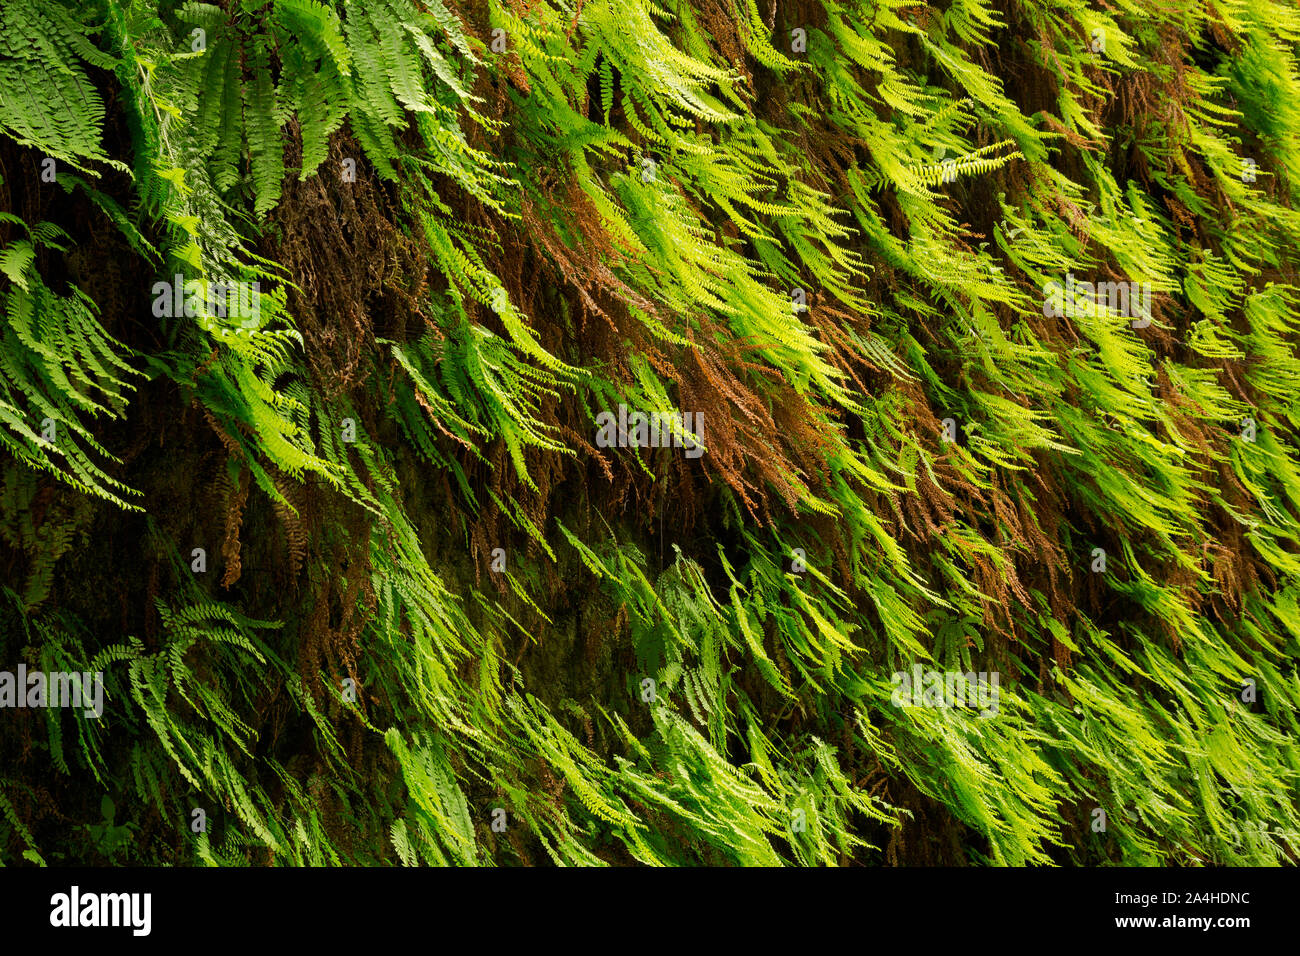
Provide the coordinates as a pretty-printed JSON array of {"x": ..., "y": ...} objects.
[{"x": 366, "y": 585}]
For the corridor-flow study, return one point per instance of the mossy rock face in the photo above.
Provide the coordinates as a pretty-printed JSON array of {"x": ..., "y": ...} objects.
[{"x": 984, "y": 318}]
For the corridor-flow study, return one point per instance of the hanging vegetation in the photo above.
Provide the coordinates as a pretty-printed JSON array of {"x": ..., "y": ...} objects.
[{"x": 608, "y": 432}]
